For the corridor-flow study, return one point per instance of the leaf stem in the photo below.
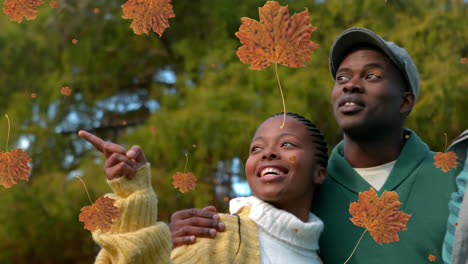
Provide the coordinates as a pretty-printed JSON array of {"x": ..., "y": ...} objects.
[
  {"x": 8, "y": 137},
  {"x": 282, "y": 97},
  {"x": 445, "y": 134},
  {"x": 86, "y": 189},
  {"x": 186, "y": 161},
  {"x": 355, "y": 246}
]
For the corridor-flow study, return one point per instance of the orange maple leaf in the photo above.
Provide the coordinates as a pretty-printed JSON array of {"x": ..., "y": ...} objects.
[
  {"x": 432, "y": 258},
  {"x": 66, "y": 91},
  {"x": 379, "y": 215},
  {"x": 277, "y": 38},
  {"x": 463, "y": 60},
  {"x": 148, "y": 14},
  {"x": 17, "y": 9},
  {"x": 184, "y": 181},
  {"x": 53, "y": 4},
  {"x": 100, "y": 214},
  {"x": 13, "y": 166},
  {"x": 446, "y": 160}
]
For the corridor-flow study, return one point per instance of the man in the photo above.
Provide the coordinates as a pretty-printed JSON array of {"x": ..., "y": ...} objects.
[{"x": 376, "y": 86}]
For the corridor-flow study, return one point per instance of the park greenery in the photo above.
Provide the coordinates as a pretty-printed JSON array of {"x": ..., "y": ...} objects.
[{"x": 184, "y": 93}]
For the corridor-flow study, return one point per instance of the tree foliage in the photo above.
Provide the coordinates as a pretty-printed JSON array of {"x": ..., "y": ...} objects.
[{"x": 121, "y": 90}]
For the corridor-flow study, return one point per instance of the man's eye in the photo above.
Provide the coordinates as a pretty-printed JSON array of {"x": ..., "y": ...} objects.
[{"x": 342, "y": 78}]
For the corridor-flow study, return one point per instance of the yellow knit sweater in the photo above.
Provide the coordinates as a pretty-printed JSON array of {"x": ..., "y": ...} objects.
[{"x": 137, "y": 237}]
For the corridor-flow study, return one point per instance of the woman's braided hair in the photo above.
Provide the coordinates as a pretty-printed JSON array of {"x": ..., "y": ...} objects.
[{"x": 319, "y": 140}]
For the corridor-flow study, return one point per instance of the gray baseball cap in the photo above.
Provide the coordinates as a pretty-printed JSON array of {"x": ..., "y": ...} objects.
[{"x": 356, "y": 36}]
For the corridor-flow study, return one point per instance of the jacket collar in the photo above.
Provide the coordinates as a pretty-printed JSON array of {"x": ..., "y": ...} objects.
[{"x": 412, "y": 155}]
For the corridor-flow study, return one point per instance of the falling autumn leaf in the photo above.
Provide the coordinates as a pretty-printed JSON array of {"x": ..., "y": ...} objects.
[
  {"x": 33, "y": 95},
  {"x": 296, "y": 230},
  {"x": 446, "y": 160},
  {"x": 379, "y": 215},
  {"x": 53, "y": 4},
  {"x": 432, "y": 258},
  {"x": 153, "y": 129},
  {"x": 277, "y": 38},
  {"x": 184, "y": 181},
  {"x": 96, "y": 10},
  {"x": 148, "y": 14},
  {"x": 66, "y": 91},
  {"x": 99, "y": 215},
  {"x": 17, "y": 9},
  {"x": 456, "y": 224},
  {"x": 463, "y": 60},
  {"x": 74, "y": 41},
  {"x": 13, "y": 166},
  {"x": 292, "y": 159},
  {"x": 194, "y": 146}
]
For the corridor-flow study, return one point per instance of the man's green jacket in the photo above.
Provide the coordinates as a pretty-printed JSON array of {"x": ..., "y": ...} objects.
[{"x": 423, "y": 190}]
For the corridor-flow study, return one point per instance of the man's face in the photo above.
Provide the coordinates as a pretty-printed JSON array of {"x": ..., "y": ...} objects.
[{"x": 368, "y": 93}]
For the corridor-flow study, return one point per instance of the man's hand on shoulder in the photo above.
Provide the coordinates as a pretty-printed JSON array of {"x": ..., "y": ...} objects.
[{"x": 186, "y": 225}]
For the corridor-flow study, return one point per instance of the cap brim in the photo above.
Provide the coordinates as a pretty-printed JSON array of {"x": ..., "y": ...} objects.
[{"x": 350, "y": 39}]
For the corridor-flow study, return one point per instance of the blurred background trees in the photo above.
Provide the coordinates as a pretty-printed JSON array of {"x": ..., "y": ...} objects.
[{"x": 186, "y": 92}]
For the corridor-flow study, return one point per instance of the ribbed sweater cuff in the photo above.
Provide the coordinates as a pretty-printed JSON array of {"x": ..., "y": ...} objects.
[
  {"x": 123, "y": 186},
  {"x": 136, "y": 200}
]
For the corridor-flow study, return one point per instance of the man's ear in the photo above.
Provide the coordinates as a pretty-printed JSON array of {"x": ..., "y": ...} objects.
[
  {"x": 407, "y": 103},
  {"x": 320, "y": 174}
]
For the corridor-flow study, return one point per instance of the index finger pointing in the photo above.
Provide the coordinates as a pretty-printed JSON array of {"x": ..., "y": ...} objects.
[{"x": 96, "y": 141}]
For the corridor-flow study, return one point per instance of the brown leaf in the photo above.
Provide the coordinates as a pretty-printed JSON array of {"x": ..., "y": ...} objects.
[
  {"x": 148, "y": 14},
  {"x": 100, "y": 214},
  {"x": 432, "y": 258},
  {"x": 292, "y": 159},
  {"x": 277, "y": 38},
  {"x": 377, "y": 72},
  {"x": 446, "y": 160},
  {"x": 184, "y": 181},
  {"x": 53, "y": 4},
  {"x": 13, "y": 166},
  {"x": 379, "y": 215},
  {"x": 17, "y": 9},
  {"x": 66, "y": 91}
]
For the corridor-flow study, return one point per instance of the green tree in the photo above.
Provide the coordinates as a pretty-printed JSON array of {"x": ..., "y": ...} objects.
[{"x": 188, "y": 87}]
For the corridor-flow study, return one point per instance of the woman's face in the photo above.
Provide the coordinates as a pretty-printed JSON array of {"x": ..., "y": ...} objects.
[{"x": 282, "y": 166}]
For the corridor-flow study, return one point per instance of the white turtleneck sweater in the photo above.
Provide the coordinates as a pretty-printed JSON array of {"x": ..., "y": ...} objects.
[{"x": 283, "y": 237}]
